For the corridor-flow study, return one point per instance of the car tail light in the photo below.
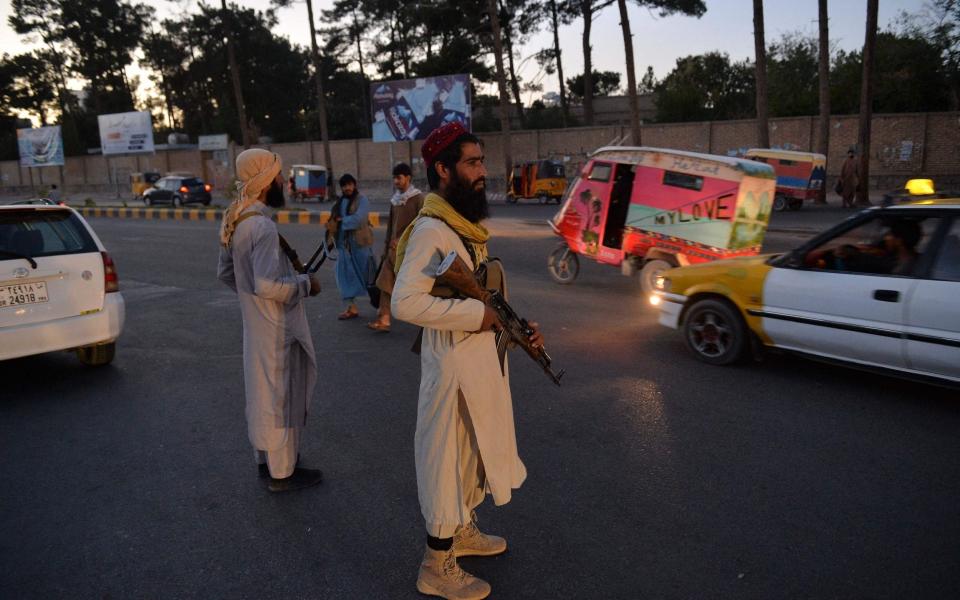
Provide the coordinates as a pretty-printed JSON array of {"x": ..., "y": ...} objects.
[
  {"x": 111, "y": 283},
  {"x": 183, "y": 189},
  {"x": 207, "y": 187}
]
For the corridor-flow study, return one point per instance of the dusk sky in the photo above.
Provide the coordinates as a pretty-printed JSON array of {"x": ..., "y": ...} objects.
[{"x": 727, "y": 26}]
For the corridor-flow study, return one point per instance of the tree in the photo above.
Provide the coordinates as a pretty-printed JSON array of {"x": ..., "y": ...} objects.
[
  {"x": 560, "y": 12},
  {"x": 345, "y": 39},
  {"x": 760, "y": 73},
  {"x": 502, "y": 85},
  {"x": 33, "y": 87},
  {"x": 706, "y": 87},
  {"x": 823, "y": 73},
  {"x": 666, "y": 7},
  {"x": 866, "y": 101},
  {"x": 606, "y": 83},
  {"x": 648, "y": 84},
  {"x": 589, "y": 9},
  {"x": 225, "y": 18},
  {"x": 792, "y": 75}
]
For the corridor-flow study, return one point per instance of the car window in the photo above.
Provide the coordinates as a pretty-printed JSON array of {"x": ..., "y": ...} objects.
[
  {"x": 192, "y": 181},
  {"x": 884, "y": 245},
  {"x": 600, "y": 172},
  {"x": 37, "y": 233},
  {"x": 947, "y": 264}
]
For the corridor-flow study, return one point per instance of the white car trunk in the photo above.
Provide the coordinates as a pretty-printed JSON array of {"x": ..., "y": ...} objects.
[{"x": 61, "y": 286}]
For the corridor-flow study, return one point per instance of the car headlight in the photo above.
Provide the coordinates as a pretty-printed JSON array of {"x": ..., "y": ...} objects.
[{"x": 662, "y": 283}]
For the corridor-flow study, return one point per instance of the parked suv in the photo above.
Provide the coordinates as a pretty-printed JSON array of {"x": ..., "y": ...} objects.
[
  {"x": 178, "y": 190},
  {"x": 58, "y": 286}
]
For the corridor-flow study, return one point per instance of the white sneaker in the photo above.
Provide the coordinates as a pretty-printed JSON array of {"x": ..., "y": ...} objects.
[
  {"x": 470, "y": 541},
  {"x": 440, "y": 575}
]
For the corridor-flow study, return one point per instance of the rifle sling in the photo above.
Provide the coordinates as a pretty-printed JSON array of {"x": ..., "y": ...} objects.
[{"x": 288, "y": 250}]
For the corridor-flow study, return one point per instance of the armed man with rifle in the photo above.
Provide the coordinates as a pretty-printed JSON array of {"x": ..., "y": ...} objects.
[
  {"x": 279, "y": 363},
  {"x": 465, "y": 442}
]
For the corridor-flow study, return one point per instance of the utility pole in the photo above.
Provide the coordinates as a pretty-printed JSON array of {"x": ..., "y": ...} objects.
[
  {"x": 824, "y": 76},
  {"x": 760, "y": 47}
]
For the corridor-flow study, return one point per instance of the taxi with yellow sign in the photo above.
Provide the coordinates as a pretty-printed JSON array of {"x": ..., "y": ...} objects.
[{"x": 879, "y": 290}]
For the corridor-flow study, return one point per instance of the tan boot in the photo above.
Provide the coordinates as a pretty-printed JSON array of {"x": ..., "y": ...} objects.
[
  {"x": 470, "y": 541},
  {"x": 440, "y": 575}
]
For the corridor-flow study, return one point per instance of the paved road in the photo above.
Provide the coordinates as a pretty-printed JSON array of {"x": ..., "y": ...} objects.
[{"x": 650, "y": 474}]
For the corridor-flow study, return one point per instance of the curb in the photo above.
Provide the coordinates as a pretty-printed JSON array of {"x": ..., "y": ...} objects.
[{"x": 284, "y": 217}]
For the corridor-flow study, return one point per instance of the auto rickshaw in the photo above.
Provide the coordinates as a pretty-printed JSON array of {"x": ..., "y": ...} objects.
[
  {"x": 308, "y": 181},
  {"x": 650, "y": 209},
  {"x": 141, "y": 182},
  {"x": 800, "y": 175},
  {"x": 544, "y": 180}
]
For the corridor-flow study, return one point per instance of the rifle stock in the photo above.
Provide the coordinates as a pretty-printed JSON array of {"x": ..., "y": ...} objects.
[{"x": 454, "y": 278}]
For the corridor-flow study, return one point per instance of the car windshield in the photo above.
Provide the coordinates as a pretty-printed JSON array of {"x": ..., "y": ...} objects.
[{"x": 37, "y": 233}]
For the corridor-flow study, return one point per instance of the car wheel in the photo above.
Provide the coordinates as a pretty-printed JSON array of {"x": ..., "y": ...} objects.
[
  {"x": 648, "y": 274},
  {"x": 543, "y": 198},
  {"x": 97, "y": 355},
  {"x": 779, "y": 203},
  {"x": 177, "y": 202},
  {"x": 563, "y": 264},
  {"x": 206, "y": 202},
  {"x": 715, "y": 332},
  {"x": 511, "y": 199}
]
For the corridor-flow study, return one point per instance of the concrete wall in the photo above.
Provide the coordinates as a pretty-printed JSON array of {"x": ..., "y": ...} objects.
[{"x": 903, "y": 145}]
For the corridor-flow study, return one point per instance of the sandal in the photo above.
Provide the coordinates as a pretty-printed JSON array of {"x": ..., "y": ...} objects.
[
  {"x": 348, "y": 314},
  {"x": 379, "y": 327}
]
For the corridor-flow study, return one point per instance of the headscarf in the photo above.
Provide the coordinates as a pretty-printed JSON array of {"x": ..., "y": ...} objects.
[
  {"x": 400, "y": 198},
  {"x": 256, "y": 169},
  {"x": 474, "y": 235}
]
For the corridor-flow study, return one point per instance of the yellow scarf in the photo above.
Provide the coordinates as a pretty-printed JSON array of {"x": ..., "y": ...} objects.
[{"x": 474, "y": 235}]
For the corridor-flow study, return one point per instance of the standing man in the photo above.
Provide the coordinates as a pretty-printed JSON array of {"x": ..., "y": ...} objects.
[
  {"x": 849, "y": 179},
  {"x": 279, "y": 366},
  {"x": 406, "y": 202},
  {"x": 465, "y": 443},
  {"x": 349, "y": 224}
]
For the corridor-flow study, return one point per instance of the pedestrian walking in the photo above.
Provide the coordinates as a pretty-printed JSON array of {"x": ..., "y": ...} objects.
[
  {"x": 349, "y": 224},
  {"x": 405, "y": 203},
  {"x": 849, "y": 179},
  {"x": 279, "y": 364},
  {"x": 465, "y": 443}
]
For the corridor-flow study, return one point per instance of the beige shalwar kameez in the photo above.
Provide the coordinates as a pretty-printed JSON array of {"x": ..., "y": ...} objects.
[
  {"x": 465, "y": 442},
  {"x": 279, "y": 363}
]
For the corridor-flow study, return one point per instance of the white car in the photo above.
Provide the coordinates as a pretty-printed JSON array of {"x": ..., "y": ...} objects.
[
  {"x": 880, "y": 290},
  {"x": 58, "y": 286}
]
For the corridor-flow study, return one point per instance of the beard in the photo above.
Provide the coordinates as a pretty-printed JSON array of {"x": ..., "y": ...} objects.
[
  {"x": 274, "y": 197},
  {"x": 470, "y": 202}
]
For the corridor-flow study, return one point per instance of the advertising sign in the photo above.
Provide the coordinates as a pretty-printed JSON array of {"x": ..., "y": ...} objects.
[
  {"x": 210, "y": 143},
  {"x": 409, "y": 109},
  {"x": 125, "y": 133},
  {"x": 41, "y": 147}
]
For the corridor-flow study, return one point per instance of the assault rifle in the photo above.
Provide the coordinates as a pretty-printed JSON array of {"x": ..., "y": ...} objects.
[
  {"x": 326, "y": 249},
  {"x": 455, "y": 278}
]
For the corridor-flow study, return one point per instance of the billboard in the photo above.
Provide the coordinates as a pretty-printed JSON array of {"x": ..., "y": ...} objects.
[
  {"x": 125, "y": 133},
  {"x": 210, "y": 143},
  {"x": 409, "y": 109},
  {"x": 41, "y": 147}
]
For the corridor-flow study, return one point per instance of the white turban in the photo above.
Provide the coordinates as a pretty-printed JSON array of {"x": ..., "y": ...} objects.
[{"x": 256, "y": 170}]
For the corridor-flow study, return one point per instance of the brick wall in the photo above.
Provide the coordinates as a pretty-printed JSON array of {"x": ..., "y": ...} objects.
[{"x": 903, "y": 145}]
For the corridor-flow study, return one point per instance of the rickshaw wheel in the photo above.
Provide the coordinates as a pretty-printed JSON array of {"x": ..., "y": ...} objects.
[
  {"x": 779, "y": 203},
  {"x": 511, "y": 199},
  {"x": 563, "y": 264},
  {"x": 648, "y": 274},
  {"x": 543, "y": 198}
]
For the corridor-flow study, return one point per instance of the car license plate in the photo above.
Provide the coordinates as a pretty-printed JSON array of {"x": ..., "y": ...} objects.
[{"x": 23, "y": 293}]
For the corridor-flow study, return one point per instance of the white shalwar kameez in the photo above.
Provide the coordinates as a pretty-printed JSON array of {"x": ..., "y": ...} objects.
[
  {"x": 465, "y": 442},
  {"x": 279, "y": 364}
]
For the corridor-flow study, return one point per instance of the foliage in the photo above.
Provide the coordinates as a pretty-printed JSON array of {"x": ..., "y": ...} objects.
[
  {"x": 605, "y": 83},
  {"x": 706, "y": 87}
]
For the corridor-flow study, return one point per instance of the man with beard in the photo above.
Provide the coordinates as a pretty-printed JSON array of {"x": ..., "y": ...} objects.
[
  {"x": 279, "y": 365},
  {"x": 465, "y": 443},
  {"x": 350, "y": 226},
  {"x": 406, "y": 202}
]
